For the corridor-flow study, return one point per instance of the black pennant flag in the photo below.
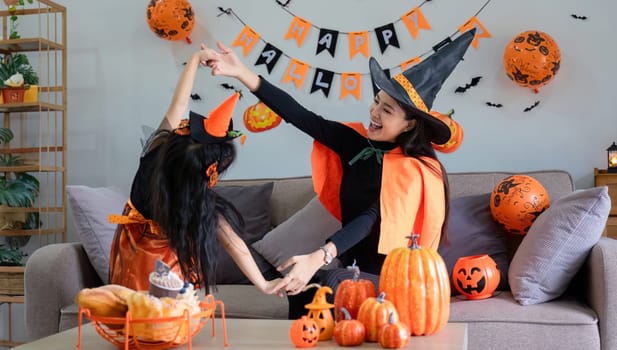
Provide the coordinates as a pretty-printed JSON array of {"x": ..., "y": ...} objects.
[
  {"x": 269, "y": 56},
  {"x": 322, "y": 81},
  {"x": 386, "y": 36},
  {"x": 375, "y": 87},
  {"x": 327, "y": 41}
]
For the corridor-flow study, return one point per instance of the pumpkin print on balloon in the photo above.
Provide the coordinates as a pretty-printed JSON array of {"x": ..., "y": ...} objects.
[
  {"x": 517, "y": 201},
  {"x": 171, "y": 19},
  {"x": 303, "y": 332},
  {"x": 259, "y": 117},
  {"x": 476, "y": 277},
  {"x": 532, "y": 59}
]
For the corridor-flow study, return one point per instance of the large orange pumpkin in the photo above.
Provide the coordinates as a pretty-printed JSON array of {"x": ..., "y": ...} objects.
[
  {"x": 351, "y": 293},
  {"x": 456, "y": 132},
  {"x": 517, "y": 201},
  {"x": 532, "y": 59},
  {"x": 170, "y": 19},
  {"x": 476, "y": 277},
  {"x": 417, "y": 282},
  {"x": 259, "y": 117}
]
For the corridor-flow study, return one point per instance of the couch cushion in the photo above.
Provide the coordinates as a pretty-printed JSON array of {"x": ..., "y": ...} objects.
[
  {"x": 557, "y": 244},
  {"x": 472, "y": 231},
  {"x": 90, "y": 207},
  {"x": 302, "y": 233}
]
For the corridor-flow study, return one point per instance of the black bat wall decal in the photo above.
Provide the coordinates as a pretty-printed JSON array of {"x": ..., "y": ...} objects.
[
  {"x": 496, "y": 105},
  {"x": 195, "y": 97},
  {"x": 231, "y": 87},
  {"x": 474, "y": 82},
  {"x": 583, "y": 18},
  {"x": 527, "y": 109}
]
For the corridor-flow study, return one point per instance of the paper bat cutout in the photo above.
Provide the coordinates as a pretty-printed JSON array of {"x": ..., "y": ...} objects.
[
  {"x": 496, "y": 105},
  {"x": 231, "y": 87},
  {"x": 527, "y": 109},
  {"x": 474, "y": 82},
  {"x": 583, "y": 18},
  {"x": 195, "y": 97}
]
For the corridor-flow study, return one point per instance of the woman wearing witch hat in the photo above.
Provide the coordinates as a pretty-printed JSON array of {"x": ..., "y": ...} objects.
[
  {"x": 172, "y": 213},
  {"x": 383, "y": 182}
]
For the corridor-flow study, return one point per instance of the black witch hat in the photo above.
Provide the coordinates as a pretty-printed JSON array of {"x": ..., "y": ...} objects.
[{"x": 418, "y": 86}]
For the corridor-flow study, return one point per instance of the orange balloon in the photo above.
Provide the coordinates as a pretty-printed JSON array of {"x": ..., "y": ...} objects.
[
  {"x": 170, "y": 19},
  {"x": 517, "y": 201},
  {"x": 532, "y": 59}
]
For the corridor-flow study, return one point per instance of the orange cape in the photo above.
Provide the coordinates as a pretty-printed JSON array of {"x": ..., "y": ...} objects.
[{"x": 411, "y": 201}]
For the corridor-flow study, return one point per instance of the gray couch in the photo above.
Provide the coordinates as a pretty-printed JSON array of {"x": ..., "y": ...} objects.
[{"x": 584, "y": 318}]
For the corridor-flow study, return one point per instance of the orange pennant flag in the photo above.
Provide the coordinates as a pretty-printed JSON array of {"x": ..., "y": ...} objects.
[
  {"x": 410, "y": 62},
  {"x": 481, "y": 31},
  {"x": 358, "y": 42},
  {"x": 296, "y": 72},
  {"x": 298, "y": 29},
  {"x": 414, "y": 21},
  {"x": 247, "y": 39},
  {"x": 351, "y": 83}
]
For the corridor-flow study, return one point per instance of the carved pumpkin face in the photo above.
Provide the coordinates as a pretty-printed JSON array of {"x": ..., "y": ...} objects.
[
  {"x": 476, "y": 277},
  {"x": 319, "y": 311},
  {"x": 517, "y": 201},
  {"x": 259, "y": 117},
  {"x": 456, "y": 133},
  {"x": 170, "y": 19},
  {"x": 532, "y": 59},
  {"x": 304, "y": 332}
]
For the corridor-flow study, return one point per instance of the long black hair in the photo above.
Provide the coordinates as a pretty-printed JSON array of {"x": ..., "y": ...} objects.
[
  {"x": 415, "y": 143},
  {"x": 186, "y": 209}
]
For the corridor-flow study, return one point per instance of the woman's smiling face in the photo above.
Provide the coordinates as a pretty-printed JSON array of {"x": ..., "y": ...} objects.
[{"x": 387, "y": 119}]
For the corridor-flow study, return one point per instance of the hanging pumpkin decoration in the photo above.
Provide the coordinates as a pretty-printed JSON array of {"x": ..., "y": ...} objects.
[
  {"x": 171, "y": 19},
  {"x": 259, "y": 117},
  {"x": 417, "y": 281},
  {"x": 349, "y": 332},
  {"x": 303, "y": 332},
  {"x": 394, "y": 334},
  {"x": 456, "y": 132},
  {"x": 517, "y": 201},
  {"x": 319, "y": 311},
  {"x": 532, "y": 59},
  {"x": 350, "y": 293},
  {"x": 374, "y": 313},
  {"x": 476, "y": 277}
]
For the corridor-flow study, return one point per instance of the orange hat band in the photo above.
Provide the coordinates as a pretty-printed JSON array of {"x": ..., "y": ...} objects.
[{"x": 411, "y": 92}]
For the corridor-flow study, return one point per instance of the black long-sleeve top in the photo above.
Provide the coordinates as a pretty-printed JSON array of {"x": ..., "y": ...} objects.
[{"x": 360, "y": 184}]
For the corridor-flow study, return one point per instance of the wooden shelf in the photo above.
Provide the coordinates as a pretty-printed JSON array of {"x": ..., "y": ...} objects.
[
  {"x": 28, "y": 45},
  {"x": 604, "y": 178},
  {"x": 30, "y": 107}
]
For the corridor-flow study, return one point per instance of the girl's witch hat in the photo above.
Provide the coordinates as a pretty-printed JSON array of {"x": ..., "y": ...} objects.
[{"x": 218, "y": 126}]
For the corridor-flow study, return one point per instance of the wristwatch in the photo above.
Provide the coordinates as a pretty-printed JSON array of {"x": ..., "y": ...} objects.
[{"x": 327, "y": 258}]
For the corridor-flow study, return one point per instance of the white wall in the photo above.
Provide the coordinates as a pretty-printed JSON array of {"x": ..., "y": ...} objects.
[{"x": 121, "y": 76}]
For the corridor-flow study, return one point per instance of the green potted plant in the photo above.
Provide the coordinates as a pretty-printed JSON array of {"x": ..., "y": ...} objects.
[
  {"x": 16, "y": 75},
  {"x": 17, "y": 189}
]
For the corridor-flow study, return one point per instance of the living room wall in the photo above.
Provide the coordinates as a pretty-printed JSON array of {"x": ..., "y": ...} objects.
[{"x": 121, "y": 77}]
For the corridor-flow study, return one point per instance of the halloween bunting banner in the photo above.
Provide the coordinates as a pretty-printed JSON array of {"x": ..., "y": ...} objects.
[{"x": 359, "y": 43}]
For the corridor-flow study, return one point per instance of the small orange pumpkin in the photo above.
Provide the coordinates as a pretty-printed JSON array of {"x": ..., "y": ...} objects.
[
  {"x": 259, "y": 117},
  {"x": 456, "y": 132},
  {"x": 349, "y": 332},
  {"x": 417, "y": 281},
  {"x": 516, "y": 202},
  {"x": 303, "y": 332},
  {"x": 350, "y": 293},
  {"x": 394, "y": 334},
  {"x": 319, "y": 311},
  {"x": 476, "y": 277},
  {"x": 374, "y": 313}
]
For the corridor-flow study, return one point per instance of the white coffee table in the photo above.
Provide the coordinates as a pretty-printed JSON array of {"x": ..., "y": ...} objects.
[{"x": 249, "y": 334}]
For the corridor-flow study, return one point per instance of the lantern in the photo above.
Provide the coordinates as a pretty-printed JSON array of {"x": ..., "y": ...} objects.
[
  {"x": 612, "y": 158},
  {"x": 532, "y": 59},
  {"x": 171, "y": 19},
  {"x": 319, "y": 311},
  {"x": 303, "y": 332},
  {"x": 476, "y": 277},
  {"x": 517, "y": 201},
  {"x": 259, "y": 117}
]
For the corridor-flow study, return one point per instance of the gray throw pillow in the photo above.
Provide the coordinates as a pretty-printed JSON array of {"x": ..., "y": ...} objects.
[
  {"x": 472, "y": 231},
  {"x": 90, "y": 208},
  {"x": 557, "y": 245},
  {"x": 253, "y": 203},
  {"x": 302, "y": 233}
]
